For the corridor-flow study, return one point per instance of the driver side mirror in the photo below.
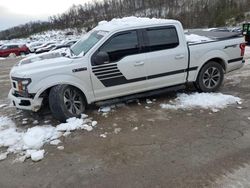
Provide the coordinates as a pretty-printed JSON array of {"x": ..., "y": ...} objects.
[{"x": 101, "y": 58}]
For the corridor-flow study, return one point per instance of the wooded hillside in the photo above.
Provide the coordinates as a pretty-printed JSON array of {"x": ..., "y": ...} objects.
[{"x": 192, "y": 13}]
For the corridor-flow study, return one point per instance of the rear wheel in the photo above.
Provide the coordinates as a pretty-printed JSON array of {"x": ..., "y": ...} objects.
[
  {"x": 210, "y": 77},
  {"x": 66, "y": 101}
]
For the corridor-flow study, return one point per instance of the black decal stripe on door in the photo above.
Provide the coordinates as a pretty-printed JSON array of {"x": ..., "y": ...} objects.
[
  {"x": 106, "y": 69},
  {"x": 104, "y": 66},
  {"x": 106, "y": 72},
  {"x": 118, "y": 78},
  {"x": 235, "y": 60},
  {"x": 110, "y": 75}
]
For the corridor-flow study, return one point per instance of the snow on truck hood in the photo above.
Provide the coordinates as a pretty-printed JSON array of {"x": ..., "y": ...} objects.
[
  {"x": 35, "y": 64},
  {"x": 36, "y": 58}
]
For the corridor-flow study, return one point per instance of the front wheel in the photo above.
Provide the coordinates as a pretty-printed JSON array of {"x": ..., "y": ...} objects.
[
  {"x": 66, "y": 101},
  {"x": 210, "y": 77}
]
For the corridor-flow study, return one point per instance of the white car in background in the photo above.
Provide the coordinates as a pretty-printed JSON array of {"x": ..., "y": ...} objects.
[
  {"x": 121, "y": 58},
  {"x": 32, "y": 45}
]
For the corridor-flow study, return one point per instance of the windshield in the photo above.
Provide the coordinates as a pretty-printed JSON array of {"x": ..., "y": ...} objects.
[{"x": 85, "y": 44}]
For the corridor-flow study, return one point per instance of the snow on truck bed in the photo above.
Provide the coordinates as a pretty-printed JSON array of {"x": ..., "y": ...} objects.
[{"x": 193, "y": 38}]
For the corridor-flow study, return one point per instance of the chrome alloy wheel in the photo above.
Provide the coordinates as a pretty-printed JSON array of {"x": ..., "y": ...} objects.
[
  {"x": 73, "y": 101},
  {"x": 211, "y": 77}
]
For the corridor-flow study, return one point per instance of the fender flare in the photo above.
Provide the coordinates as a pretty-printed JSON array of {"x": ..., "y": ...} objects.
[{"x": 46, "y": 83}]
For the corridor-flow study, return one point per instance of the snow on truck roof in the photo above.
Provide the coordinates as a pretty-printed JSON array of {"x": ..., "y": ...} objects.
[{"x": 129, "y": 22}]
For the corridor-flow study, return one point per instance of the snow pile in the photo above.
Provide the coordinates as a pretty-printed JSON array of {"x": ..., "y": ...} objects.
[
  {"x": 28, "y": 143},
  {"x": 192, "y": 38},
  {"x": 3, "y": 105},
  {"x": 213, "y": 101}
]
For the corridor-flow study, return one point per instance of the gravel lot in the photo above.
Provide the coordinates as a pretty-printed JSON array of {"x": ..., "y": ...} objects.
[{"x": 144, "y": 147}]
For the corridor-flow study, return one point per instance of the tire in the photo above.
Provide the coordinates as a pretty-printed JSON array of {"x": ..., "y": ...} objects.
[
  {"x": 210, "y": 77},
  {"x": 65, "y": 102}
]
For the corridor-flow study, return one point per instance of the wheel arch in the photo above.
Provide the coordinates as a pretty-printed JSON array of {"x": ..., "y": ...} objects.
[{"x": 45, "y": 92}]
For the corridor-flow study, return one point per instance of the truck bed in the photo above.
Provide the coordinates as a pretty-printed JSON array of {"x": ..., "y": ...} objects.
[{"x": 198, "y": 37}]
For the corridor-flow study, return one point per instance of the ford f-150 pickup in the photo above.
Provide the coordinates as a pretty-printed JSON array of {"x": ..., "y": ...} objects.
[{"x": 124, "y": 57}]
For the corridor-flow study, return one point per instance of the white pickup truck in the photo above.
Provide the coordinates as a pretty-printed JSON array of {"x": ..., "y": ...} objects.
[{"x": 120, "y": 58}]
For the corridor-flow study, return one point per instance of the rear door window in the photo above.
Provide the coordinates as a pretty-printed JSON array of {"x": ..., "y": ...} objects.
[{"x": 161, "y": 38}]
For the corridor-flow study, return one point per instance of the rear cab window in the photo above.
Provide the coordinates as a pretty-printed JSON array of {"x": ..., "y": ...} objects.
[{"x": 161, "y": 38}]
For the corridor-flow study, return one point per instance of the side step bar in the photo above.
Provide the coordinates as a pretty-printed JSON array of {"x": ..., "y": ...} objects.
[{"x": 140, "y": 95}]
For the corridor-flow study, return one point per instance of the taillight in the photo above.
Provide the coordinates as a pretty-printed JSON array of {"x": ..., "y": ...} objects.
[{"x": 242, "y": 48}]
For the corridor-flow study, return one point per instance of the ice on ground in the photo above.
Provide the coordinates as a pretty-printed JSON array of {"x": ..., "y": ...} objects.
[
  {"x": 84, "y": 116},
  {"x": 135, "y": 129},
  {"x": 35, "y": 137},
  {"x": 24, "y": 122},
  {"x": 105, "y": 109},
  {"x": 3, "y": 105},
  {"x": 148, "y": 101},
  {"x": 103, "y": 135},
  {"x": 213, "y": 101},
  {"x": 2, "y": 58},
  {"x": 94, "y": 123},
  {"x": 66, "y": 133},
  {"x": 192, "y": 38},
  {"x": 46, "y": 121},
  {"x": 117, "y": 130},
  {"x": 30, "y": 141},
  {"x": 5, "y": 123},
  {"x": 55, "y": 142},
  {"x": 87, "y": 127},
  {"x": 60, "y": 147},
  {"x": 35, "y": 122},
  {"x": 37, "y": 155},
  {"x": 73, "y": 124},
  {"x": 3, "y": 155}
]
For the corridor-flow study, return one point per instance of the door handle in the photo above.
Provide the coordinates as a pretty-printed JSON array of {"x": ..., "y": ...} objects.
[
  {"x": 179, "y": 57},
  {"x": 140, "y": 63}
]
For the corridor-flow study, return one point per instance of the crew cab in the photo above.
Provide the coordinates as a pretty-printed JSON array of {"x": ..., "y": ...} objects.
[
  {"x": 121, "y": 58},
  {"x": 16, "y": 49}
]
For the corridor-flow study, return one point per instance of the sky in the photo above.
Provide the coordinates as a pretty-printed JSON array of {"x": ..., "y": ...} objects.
[{"x": 16, "y": 12}]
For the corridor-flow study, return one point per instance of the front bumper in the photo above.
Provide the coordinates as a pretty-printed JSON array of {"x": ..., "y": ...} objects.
[{"x": 33, "y": 104}]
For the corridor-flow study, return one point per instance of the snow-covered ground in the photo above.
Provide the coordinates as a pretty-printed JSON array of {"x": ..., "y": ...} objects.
[
  {"x": 247, "y": 52},
  {"x": 29, "y": 143},
  {"x": 212, "y": 101}
]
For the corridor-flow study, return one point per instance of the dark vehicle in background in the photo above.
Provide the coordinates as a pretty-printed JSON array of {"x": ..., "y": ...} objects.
[
  {"x": 218, "y": 29},
  {"x": 237, "y": 30},
  {"x": 66, "y": 44},
  {"x": 246, "y": 32},
  {"x": 17, "y": 49},
  {"x": 45, "y": 49},
  {"x": 42, "y": 46}
]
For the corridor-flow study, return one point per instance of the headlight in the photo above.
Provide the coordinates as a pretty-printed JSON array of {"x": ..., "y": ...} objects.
[{"x": 22, "y": 83}]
